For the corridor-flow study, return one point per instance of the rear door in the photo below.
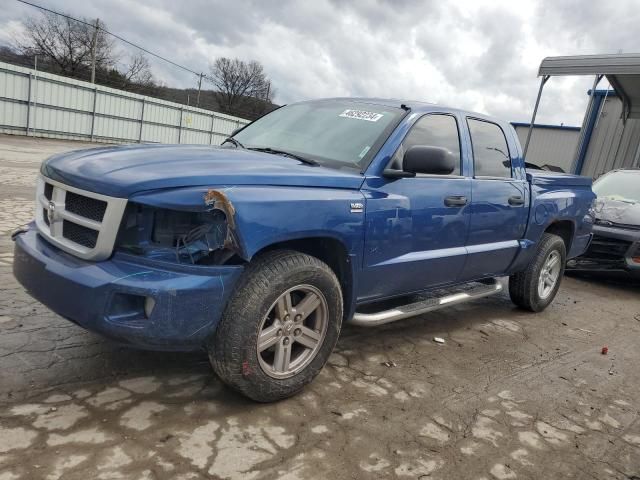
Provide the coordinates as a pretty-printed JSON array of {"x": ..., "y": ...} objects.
[{"x": 498, "y": 206}]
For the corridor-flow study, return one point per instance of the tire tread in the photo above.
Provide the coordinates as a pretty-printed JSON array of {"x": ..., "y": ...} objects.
[
  {"x": 523, "y": 286},
  {"x": 225, "y": 347}
]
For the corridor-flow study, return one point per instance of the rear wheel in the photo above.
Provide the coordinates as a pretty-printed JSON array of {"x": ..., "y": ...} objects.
[
  {"x": 535, "y": 288},
  {"x": 280, "y": 326}
]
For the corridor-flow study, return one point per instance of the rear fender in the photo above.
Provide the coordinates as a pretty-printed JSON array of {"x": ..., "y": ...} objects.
[{"x": 551, "y": 205}]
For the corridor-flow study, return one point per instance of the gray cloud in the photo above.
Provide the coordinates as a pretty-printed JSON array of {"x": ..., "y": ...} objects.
[{"x": 476, "y": 55}]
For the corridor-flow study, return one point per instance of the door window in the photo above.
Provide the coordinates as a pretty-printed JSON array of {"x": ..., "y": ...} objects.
[
  {"x": 490, "y": 150},
  {"x": 435, "y": 131}
]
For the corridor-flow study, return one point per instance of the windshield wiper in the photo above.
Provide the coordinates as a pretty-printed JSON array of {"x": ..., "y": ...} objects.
[
  {"x": 308, "y": 161},
  {"x": 234, "y": 141}
]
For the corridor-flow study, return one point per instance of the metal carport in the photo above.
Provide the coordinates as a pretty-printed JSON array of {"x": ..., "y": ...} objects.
[{"x": 621, "y": 70}]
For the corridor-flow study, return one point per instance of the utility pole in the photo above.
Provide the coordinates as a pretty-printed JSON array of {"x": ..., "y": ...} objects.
[
  {"x": 94, "y": 40},
  {"x": 199, "y": 87}
]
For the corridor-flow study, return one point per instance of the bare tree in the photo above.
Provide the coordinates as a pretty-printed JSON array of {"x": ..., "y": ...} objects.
[
  {"x": 239, "y": 84},
  {"x": 66, "y": 44},
  {"x": 138, "y": 71}
]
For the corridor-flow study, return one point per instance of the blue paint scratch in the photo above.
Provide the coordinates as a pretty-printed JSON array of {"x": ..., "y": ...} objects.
[
  {"x": 222, "y": 285},
  {"x": 132, "y": 275}
]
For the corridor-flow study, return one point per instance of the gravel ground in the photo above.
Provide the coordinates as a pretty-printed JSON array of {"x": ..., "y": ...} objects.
[{"x": 509, "y": 395}]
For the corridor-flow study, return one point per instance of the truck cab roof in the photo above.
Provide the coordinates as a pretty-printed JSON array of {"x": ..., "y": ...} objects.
[{"x": 415, "y": 106}]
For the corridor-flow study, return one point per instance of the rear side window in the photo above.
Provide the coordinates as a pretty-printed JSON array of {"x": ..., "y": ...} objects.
[
  {"x": 490, "y": 150},
  {"x": 433, "y": 130}
]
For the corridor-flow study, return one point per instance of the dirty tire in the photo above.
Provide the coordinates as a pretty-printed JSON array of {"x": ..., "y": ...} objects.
[
  {"x": 233, "y": 348},
  {"x": 523, "y": 286}
]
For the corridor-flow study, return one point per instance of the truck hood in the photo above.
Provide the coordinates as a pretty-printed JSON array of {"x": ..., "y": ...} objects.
[
  {"x": 618, "y": 212},
  {"x": 125, "y": 170}
]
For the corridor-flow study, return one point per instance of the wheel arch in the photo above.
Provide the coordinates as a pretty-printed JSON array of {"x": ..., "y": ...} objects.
[
  {"x": 565, "y": 229},
  {"x": 331, "y": 251}
]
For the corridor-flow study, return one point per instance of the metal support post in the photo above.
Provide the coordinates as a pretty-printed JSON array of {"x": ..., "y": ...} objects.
[
  {"x": 583, "y": 128},
  {"x": 213, "y": 118},
  {"x": 141, "y": 121},
  {"x": 29, "y": 105},
  {"x": 533, "y": 117},
  {"x": 93, "y": 118}
]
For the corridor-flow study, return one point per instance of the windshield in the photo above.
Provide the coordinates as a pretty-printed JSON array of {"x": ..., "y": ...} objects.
[
  {"x": 623, "y": 186},
  {"x": 335, "y": 133}
]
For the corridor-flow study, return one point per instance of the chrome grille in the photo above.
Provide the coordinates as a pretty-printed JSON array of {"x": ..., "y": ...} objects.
[
  {"x": 80, "y": 222},
  {"x": 48, "y": 191},
  {"x": 85, "y": 206},
  {"x": 87, "y": 237}
]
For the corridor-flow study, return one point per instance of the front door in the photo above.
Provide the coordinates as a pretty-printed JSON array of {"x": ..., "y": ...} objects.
[{"x": 416, "y": 227}]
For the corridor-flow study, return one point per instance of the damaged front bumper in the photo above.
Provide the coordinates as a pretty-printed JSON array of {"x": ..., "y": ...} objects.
[
  {"x": 141, "y": 302},
  {"x": 612, "y": 250}
]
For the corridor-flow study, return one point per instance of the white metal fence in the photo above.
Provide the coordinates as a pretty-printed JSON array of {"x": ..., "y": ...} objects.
[{"x": 46, "y": 105}]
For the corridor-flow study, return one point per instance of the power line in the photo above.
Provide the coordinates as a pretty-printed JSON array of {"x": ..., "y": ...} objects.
[
  {"x": 200, "y": 75},
  {"x": 113, "y": 35}
]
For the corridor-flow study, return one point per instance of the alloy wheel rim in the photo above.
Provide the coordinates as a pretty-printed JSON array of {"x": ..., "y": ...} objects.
[
  {"x": 549, "y": 275},
  {"x": 293, "y": 331}
]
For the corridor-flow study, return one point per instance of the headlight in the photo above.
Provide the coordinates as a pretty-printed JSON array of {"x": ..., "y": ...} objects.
[
  {"x": 172, "y": 235},
  {"x": 591, "y": 214}
]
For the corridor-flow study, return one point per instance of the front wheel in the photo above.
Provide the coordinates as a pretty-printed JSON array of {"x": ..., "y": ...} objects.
[
  {"x": 535, "y": 288},
  {"x": 280, "y": 326}
]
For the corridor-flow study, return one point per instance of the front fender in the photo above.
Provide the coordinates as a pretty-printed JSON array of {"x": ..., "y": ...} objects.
[
  {"x": 259, "y": 216},
  {"x": 268, "y": 215}
]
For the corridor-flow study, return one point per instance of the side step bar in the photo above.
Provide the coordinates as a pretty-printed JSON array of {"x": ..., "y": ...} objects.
[{"x": 424, "y": 306}]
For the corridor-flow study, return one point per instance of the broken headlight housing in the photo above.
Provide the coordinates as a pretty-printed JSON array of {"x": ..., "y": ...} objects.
[{"x": 175, "y": 235}]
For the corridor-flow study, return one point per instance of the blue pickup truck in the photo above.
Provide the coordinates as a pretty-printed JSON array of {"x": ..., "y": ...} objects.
[{"x": 312, "y": 216}]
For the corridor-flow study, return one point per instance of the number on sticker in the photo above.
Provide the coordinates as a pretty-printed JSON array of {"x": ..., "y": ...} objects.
[{"x": 362, "y": 115}]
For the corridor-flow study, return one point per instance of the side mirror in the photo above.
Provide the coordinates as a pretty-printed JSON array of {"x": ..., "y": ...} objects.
[
  {"x": 428, "y": 159},
  {"x": 235, "y": 130}
]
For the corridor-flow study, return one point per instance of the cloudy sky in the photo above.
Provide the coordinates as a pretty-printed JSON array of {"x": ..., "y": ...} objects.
[{"x": 478, "y": 55}]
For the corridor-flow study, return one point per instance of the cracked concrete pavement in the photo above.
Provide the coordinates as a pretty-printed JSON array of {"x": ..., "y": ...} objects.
[{"x": 509, "y": 395}]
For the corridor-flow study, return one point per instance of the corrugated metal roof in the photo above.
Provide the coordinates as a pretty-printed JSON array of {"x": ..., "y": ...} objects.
[
  {"x": 622, "y": 71},
  {"x": 619, "y": 64}
]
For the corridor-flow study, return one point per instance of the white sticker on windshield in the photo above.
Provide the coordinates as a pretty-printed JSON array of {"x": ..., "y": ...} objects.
[
  {"x": 364, "y": 151},
  {"x": 362, "y": 115}
]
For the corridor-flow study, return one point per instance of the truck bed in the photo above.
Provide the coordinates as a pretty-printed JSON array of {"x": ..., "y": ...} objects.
[{"x": 559, "y": 179}]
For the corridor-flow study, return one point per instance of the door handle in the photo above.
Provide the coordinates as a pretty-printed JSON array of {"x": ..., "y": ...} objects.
[
  {"x": 516, "y": 200},
  {"x": 455, "y": 201}
]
